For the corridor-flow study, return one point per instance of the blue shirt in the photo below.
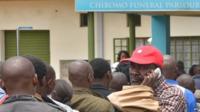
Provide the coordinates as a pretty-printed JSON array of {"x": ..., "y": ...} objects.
[
  {"x": 2, "y": 93},
  {"x": 188, "y": 95}
]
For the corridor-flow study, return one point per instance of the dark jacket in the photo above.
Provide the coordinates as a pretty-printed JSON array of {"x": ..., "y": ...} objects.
[
  {"x": 84, "y": 101},
  {"x": 100, "y": 90},
  {"x": 24, "y": 103},
  {"x": 124, "y": 68}
]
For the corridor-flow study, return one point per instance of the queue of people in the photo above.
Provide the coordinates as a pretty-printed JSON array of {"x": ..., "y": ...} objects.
[{"x": 147, "y": 81}]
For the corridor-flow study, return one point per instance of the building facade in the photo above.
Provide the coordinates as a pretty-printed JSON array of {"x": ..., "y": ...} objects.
[{"x": 59, "y": 33}]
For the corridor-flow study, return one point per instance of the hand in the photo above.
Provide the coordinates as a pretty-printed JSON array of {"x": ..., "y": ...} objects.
[{"x": 150, "y": 79}]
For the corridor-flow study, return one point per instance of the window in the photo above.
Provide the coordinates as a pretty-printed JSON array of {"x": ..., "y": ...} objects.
[
  {"x": 83, "y": 19},
  {"x": 141, "y": 41},
  {"x": 186, "y": 49},
  {"x": 120, "y": 44},
  {"x": 123, "y": 44}
]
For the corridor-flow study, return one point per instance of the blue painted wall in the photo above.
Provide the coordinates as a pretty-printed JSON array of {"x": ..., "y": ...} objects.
[{"x": 161, "y": 33}]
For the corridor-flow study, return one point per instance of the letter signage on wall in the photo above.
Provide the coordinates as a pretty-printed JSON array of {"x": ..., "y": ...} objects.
[{"x": 137, "y": 5}]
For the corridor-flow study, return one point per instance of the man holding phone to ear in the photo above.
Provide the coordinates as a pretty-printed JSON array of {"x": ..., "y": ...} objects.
[{"x": 145, "y": 63}]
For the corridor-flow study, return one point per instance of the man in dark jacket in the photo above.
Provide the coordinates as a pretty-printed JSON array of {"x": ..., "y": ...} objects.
[
  {"x": 19, "y": 78},
  {"x": 81, "y": 77},
  {"x": 102, "y": 77}
]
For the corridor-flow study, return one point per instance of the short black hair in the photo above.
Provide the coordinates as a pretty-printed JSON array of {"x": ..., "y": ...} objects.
[
  {"x": 40, "y": 67},
  {"x": 100, "y": 66},
  {"x": 192, "y": 68},
  {"x": 120, "y": 53},
  {"x": 181, "y": 67},
  {"x": 51, "y": 74}
]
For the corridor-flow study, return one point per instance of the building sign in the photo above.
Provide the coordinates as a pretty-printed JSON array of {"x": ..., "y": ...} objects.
[{"x": 137, "y": 5}]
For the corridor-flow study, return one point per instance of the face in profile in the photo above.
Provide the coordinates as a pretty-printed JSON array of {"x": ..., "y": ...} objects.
[{"x": 138, "y": 72}]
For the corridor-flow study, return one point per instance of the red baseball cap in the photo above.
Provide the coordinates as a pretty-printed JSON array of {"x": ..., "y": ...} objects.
[{"x": 147, "y": 55}]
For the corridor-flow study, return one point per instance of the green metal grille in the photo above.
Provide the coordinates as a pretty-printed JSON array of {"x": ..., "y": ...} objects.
[{"x": 35, "y": 43}]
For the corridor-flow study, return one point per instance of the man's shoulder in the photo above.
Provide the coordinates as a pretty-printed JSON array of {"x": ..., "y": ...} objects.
[
  {"x": 23, "y": 106},
  {"x": 89, "y": 98},
  {"x": 97, "y": 99},
  {"x": 190, "y": 98},
  {"x": 23, "y": 102},
  {"x": 100, "y": 90},
  {"x": 90, "y": 102},
  {"x": 172, "y": 99},
  {"x": 187, "y": 93},
  {"x": 172, "y": 92},
  {"x": 171, "y": 89}
]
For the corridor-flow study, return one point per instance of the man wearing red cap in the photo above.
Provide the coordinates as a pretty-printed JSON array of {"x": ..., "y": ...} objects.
[{"x": 143, "y": 64}]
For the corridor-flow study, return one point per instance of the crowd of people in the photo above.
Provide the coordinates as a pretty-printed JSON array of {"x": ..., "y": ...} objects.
[{"x": 146, "y": 81}]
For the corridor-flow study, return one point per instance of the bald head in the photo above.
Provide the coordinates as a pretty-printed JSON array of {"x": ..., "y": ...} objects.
[
  {"x": 186, "y": 81},
  {"x": 62, "y": 92},
  {"x": 169, "y": 68},
  {"x": 119, "y": 79},
  {"x": 18, "y": 75},
  {"x": 80, "y": 74}
]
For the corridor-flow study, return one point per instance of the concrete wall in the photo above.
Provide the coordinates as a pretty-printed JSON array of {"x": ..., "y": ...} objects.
[
  {"x": 185, "y": 26},
  {"x": 115, "y": 26},
  {"x": 67, "y": 39}
]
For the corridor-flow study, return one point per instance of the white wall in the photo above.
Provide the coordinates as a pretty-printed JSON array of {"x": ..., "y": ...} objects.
[
  {"x": 185, "y": 26},
  {"x": 67, "y": 39},
  {"x": 115, "y": 26}
]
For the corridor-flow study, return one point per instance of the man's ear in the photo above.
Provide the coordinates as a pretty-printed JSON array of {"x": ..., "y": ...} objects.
[
  {"x": 109, "y": 75},
  {"x": 35, "y": 80},
  {"x": 90, "y": 78},
  {"x": 51, "y": 83}
]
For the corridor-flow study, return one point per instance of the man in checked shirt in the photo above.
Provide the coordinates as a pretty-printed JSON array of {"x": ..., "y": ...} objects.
[{"x": 143, "y": 63}]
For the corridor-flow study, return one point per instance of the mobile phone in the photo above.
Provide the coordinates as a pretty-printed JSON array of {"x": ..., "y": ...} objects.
[{"x": 157, "y": 71}]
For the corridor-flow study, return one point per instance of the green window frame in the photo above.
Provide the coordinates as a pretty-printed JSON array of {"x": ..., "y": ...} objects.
[
  {"x": 183, "y": 48},
  {"x": 123, "y": 44},
  {"x": 186, "y": 49},
  {"x": 120, "y": 44}
]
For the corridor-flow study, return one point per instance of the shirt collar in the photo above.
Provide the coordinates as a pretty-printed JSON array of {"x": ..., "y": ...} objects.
[
  {"x": 2, "y": 91},
  {"x": 169, "y": 81},
  {"x": 98, "y": 86},
  {"x": 80, "y": 90},
  {"x": 38, "y": 97}
]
